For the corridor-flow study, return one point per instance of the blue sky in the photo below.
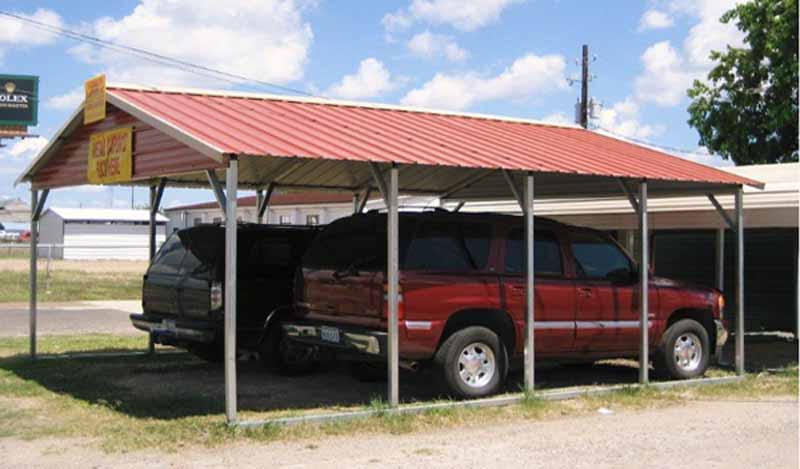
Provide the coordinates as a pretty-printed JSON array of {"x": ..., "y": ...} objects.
[{"x": 509, "y": 57}]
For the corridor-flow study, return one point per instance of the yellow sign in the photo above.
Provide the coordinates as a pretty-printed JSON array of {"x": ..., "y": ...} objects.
[
  {"x": 94, "y": 106},
  {"x": 110, "y": 156}
]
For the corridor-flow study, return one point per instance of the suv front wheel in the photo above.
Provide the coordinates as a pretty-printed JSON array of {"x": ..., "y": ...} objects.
[
  {"x": 684, "y": 351},
  {"x": 472, "y": 362}
]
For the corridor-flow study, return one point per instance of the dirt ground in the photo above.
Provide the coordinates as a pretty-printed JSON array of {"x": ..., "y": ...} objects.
[
  {"x": 733, "y": 433},
  {"x": 96, "y": 266}
]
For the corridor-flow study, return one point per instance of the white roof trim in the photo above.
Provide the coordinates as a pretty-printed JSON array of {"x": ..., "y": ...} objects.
[
  {"x": 105, "y": 214},
  {"x": 334, "y": 102}
]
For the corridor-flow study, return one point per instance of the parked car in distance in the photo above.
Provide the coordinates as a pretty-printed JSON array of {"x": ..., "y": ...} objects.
[
  {"x": 183, "y": 289},
  {"x": 462, "y": 299}
]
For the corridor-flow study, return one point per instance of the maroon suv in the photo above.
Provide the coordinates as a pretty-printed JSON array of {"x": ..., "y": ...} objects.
[{"x": 462, "y": 299}]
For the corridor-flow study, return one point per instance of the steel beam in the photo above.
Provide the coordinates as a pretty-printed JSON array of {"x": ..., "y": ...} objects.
[
  {"x": 393, "y": 234},
  {"x": 362, "y": 204},
  {"x": 156, "y": 194},
  {"x": 232, "y": 183},
  {"x": 216, "y": 186},
  {"x": 259, "y": 203},
  {"x": 379, "y": 180},
  {"x": 458, "y": 207},
  {"x": 514, "y": 189},
  {"x": 644, "y": 290},
  {"x": 728, "y": 221},
  {"x": 264, "y": 203},
  {"x": 629, "y": 193},
  {"x": 529, "y": 285},
  {"x": 739, "y": 281}
]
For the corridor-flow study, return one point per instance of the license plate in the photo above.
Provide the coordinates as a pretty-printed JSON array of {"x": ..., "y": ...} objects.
[{"x": 329, "y": 334}]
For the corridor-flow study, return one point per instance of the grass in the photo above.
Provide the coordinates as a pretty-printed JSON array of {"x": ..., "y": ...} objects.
[
  {"x": 107, "y": 401},
  {"x": 68, "y": 285}
]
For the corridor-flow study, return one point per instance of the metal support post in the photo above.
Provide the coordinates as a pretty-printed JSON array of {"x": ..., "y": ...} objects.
[
  {"x": 232, "y": 182},
  {"x": 363, "y": 203},
  {"x": 259, "y": 203},
  {"x": 393, "y": 233},
  {"x": 739, "y": 282},
  {"x": 529, "y": 286},
  {"x": 216, "y": 186},
  {"x": 719, "y": 273},
  {"x": 644, "y": 280},
  {"x": 514, "y": 188},
  {"x": 34, "y": 253}
]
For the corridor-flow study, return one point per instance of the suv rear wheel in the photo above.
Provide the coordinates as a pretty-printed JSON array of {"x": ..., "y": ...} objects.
[
  {"x": 684, "y": 351},
  {"x": 278, "y": 353},
  {"x": 472, "y": 362}
]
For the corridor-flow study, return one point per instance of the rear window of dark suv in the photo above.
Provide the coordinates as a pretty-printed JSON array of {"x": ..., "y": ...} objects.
[{"x": 427, "y": 242}]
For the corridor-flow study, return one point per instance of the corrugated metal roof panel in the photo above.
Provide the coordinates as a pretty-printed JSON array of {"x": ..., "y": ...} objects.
[
  {"x": 105, "y": 214},
  {"x": 320, "y": 129}
]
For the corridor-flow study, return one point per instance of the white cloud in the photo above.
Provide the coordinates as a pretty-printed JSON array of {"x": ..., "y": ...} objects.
[
  {"x": 428, "y": 45},
  {"x": 21, "y": 35},
  {"x": 67, "y": 101},
  {"x": 668, "y": 71},
  {"x": 622, "y": 118},
  {"x": 557, "y": 117},
  {"x": 462, "y": 15},
  {"x": 371, "y": 80},
  {"x": 665, "y": 77},
  {"x": 655, "y": 19},
  {"x": 528, "y": 77},
  {"x": 23, "y": 149},
  {"x": 266, "y": 40}
]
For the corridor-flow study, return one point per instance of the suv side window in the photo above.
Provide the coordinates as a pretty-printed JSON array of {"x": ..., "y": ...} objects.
[
  {"x": 169, "y": 257},
  {"x": 598, "y": 257},
  {"x": 438, "y": 246},
  {"x": 477, "y": 240},
  {"x": 546, "y": 253}
]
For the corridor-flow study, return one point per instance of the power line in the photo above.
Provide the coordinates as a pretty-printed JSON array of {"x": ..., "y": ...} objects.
[{"x": 152, "y": 56}]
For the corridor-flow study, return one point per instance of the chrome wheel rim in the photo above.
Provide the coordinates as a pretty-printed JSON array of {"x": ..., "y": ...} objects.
[
  {"x": 476, "y": 365},
  {"x": 688, "y": 352}
]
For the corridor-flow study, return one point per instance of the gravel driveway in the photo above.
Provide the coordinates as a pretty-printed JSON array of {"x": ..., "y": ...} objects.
[{"x": 724, "y": 434}]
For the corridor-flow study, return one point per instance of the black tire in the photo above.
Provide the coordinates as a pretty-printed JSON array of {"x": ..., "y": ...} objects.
[
  {"x": 281, "y": 355},
  {"x": 686, "y": 363},
  {"x": 368, "y": 372},
  {"x": 467, "y": 341},
  {"x": 212, "y": 353}
]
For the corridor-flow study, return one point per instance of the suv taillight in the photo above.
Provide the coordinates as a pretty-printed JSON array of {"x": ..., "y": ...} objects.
[{"x": 216, "y": 295}]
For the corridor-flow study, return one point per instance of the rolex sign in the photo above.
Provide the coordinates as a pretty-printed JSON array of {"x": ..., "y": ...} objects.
[{"x": 19, "y": 100}]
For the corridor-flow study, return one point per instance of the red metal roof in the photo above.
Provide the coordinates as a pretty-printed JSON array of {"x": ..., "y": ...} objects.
[
  {"x": 296, "y": 198},
  {"x": 264, "y": 125}
]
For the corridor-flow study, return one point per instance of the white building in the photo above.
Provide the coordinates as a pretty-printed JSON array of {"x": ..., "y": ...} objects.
[
  {"x": 82, "y": 233},
  {"x": 298, "y": 208}
]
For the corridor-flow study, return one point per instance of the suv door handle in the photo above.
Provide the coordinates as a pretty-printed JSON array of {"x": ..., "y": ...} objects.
[{"x": 585, "y": 292}]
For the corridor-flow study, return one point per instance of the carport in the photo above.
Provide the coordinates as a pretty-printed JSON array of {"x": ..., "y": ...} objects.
[{"x": 195, "y": 138}]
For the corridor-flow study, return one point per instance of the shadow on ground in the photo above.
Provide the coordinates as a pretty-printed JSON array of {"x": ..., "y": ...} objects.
[{"x": 175, "y": 385}]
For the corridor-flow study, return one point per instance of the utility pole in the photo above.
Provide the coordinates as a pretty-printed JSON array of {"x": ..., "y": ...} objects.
[{"x": 585, "y": 87}]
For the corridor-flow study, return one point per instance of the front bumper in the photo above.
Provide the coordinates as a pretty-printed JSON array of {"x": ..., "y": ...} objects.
[
  {"x": 170, "y": 331},
  {"x": 366, "y": 341}
]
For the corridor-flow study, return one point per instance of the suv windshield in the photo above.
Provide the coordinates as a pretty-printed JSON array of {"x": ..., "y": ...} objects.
[{"x": 598, "y": 257}]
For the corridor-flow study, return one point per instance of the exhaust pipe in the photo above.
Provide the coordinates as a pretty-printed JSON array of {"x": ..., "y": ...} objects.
[{"x": 409, "y": 365}]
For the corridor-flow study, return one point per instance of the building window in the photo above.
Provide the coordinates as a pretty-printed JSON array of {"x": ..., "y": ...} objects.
[
  {"x": 285, "y": 220},
  {"x": 197, "y": 221},
  {"x": 312, "y": 219},
  {"x": 217, "y": 219}
]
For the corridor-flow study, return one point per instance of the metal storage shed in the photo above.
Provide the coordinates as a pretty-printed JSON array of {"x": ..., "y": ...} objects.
[
  {"x": 81, "y": 234},
  {"x": 190, "y": 138}
]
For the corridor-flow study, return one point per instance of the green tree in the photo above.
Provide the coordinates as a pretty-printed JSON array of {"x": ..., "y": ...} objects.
[{"x": 747, "y": 108}]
